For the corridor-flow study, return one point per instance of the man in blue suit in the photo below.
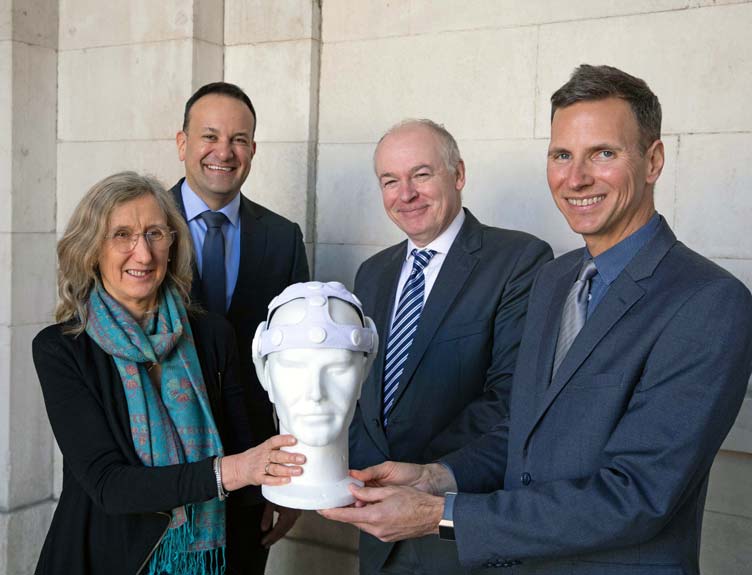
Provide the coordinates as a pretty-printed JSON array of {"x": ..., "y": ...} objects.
[
  {"x": 449, "y": 303},
  {"x": 258, "y": 254},
  {"x": 634, "y": 362}
]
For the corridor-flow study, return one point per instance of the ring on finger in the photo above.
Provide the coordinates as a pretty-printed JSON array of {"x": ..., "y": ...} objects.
[{"x": 266, "y": 468}]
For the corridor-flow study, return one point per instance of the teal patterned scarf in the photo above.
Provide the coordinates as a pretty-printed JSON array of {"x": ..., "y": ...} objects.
[{"x": 171, "y": 423}]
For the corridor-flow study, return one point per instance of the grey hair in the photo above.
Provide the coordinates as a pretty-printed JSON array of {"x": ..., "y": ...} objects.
[
  {"x": 450, "y": 151},
  {"x": 79, "y": 249}
]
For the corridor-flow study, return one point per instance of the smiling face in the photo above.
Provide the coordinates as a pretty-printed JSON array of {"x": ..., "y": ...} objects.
[
  {"x": 217, "y": 148},
  {"x": 599, "y": 179},
  {"x": 315, "y": 391},
  {"x": 133, "y": 278},
  {"x": 421, "y": 194}
]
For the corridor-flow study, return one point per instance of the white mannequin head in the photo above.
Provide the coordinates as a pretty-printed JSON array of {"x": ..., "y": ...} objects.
[{"x": 312, "y": 356}]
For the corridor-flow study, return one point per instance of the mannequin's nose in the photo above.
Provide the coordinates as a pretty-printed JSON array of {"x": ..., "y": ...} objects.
[{"x": 315, "y": 388}]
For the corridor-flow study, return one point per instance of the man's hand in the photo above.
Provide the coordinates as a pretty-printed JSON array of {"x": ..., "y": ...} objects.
[
  {"x": 433, "y": 478},
  {"x": 285, "y": 520},
  {"x": 391, "y": 513}
]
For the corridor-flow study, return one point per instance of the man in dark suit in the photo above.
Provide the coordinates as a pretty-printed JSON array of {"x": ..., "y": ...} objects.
[
  {"x": 249, "y": 257},
  {"x": 443, "y": 379},
  {"x": 629, "y": 376}
]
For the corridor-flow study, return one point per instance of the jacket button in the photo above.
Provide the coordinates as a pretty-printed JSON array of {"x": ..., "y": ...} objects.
[{"x": 526, "y": 478}]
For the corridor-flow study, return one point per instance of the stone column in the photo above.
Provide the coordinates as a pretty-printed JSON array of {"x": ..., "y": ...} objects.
[
  {"x": 28, "y": 78},
  {"x": 272, "y": 51}
]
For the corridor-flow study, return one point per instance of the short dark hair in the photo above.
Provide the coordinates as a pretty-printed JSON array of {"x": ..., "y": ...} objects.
[
  {"x": 589, "y": 83},
  {"x": 223, "y": 89}
]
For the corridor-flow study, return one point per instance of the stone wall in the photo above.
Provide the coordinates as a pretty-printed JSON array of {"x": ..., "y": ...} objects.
[
  {"x": 90, "y": 88},
  {"x": 28, "y": 62}
]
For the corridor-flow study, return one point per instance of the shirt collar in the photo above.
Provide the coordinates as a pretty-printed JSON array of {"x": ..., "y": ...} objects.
[
  {"x": 613, "y": 261},
  {"x": 195, "y": 206},
  {"x": 445, "y": 240}
]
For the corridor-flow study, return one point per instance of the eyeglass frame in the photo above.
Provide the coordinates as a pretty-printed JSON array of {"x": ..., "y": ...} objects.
[{"x": 169, "y": 233}]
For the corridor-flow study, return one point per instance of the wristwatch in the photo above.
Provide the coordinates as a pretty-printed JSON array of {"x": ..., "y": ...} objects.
[{"x": 446, "y": 525}]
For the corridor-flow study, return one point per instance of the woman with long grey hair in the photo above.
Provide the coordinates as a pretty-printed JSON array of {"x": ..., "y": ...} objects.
[{"x": 142, "y": 396}]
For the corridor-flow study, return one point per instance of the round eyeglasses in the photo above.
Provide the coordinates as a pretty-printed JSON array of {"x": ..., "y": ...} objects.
[{"x": 158, "y": 239}]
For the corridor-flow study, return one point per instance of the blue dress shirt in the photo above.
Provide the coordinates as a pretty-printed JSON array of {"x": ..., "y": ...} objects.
[
  {"x": 194, "y": 207},
  {"x": 613, "y": 261}
]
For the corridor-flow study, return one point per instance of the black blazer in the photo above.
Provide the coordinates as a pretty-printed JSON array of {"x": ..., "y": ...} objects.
[
  {"x": 272, "y": 256},
  {"x": 113, "y": 510},
  {"x": 607, "y": 464},
  {"x": 458, "y": 374}
]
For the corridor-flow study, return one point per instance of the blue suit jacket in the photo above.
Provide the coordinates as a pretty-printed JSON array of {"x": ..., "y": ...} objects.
[
  {"x": 456, "y": 381},
  {"x": 272, "y": 256},
  {"x": 605, "y": 468}
]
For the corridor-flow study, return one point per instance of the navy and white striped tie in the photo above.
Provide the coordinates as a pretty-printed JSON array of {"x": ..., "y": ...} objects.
[{"x": 404, "y": 326}]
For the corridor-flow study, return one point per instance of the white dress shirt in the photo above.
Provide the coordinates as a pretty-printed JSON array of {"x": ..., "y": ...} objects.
[{"x": 441, "y": 246}]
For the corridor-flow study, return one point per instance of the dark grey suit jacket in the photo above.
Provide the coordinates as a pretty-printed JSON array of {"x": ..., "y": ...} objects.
[
  {"x": 607, "y": 465},
  {"x": 456, "y": 381},
  {"x": 272, "y": 256}
]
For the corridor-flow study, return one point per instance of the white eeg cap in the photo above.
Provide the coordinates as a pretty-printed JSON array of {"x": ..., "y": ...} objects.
[{"x": 317, "y": 329}]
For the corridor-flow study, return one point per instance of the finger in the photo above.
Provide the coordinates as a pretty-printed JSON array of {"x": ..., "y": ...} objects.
[
  {"x": 273, "y": 480},
  {"x": 287, "y": 457},
  {"x": 369, "y": 473},
  {"x": 370, "y": 494},
  {"x": 278, "y": 441},
  {"x": 283, "y": 470},
  {"x": 347, "y": 514},
  {"x": 268, "y": 517},
  {"x": 361, "y": 474}
]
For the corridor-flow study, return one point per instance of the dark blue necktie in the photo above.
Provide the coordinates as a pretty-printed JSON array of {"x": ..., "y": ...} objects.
[
  {"x": 404, "y": 327},
  {"x": 213, "y": 263}
]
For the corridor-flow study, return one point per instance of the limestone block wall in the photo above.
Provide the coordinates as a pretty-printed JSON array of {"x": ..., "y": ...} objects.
[
  {"x": 272, "y": 51},
  {"x": 28, "y": 39},
  {"x": 89, "y": 88}
]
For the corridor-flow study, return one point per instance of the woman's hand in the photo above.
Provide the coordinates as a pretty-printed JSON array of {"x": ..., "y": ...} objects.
[{"x": 265, "y": 464}]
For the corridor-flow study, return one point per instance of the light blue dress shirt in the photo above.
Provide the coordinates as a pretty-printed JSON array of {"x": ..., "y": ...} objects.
[{"x": 194, "y": 207}]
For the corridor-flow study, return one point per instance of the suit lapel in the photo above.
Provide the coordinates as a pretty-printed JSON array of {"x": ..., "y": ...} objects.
[
  {"x": 177, "y": 195},
  {"x": 372, "y": 392},
  {"x": 455, "y": 271},
  {"x": 623, "y": 293},
  {"x": 253, "y": 240}
]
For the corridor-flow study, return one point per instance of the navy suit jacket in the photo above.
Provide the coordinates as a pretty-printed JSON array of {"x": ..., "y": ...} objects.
[
  {"x": 272, "y": 256},
  {"x": 605, "y": 467},
  {"x": 456, "y": 380}
]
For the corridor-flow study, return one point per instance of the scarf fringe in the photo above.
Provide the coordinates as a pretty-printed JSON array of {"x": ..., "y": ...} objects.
[{"x": 172, "y": 558}]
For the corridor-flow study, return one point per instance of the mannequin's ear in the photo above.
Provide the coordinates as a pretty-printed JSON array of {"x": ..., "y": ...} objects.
[
  {"x": 370, "y": 357},
  {"x": 266, "y": 381},
  {"x": 259, "y": 362}
]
